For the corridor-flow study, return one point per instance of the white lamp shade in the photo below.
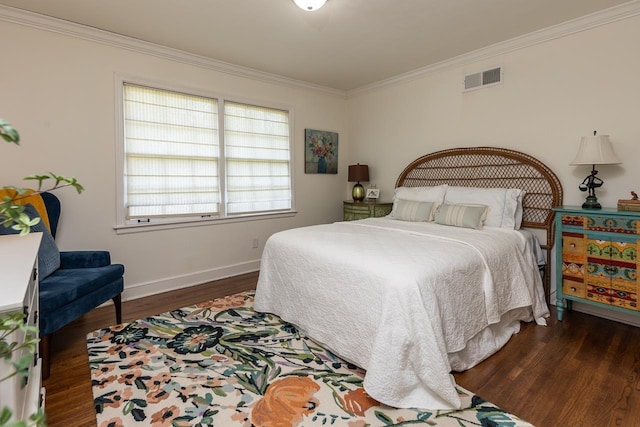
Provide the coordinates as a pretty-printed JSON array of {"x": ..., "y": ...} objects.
[
  {"x": 310, "y": 5},
  {"x": 595, "y": 150}
]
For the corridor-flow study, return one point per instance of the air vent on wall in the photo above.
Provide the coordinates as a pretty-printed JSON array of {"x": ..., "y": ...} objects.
[{"x": 483, "y": 79}]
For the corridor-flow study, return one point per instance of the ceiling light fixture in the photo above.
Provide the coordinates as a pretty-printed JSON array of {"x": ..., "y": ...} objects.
[{"x": 310, "y": 5}]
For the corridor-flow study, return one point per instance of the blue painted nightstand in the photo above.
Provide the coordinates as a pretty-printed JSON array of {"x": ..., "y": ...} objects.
[{"x": 598, "y": 261}]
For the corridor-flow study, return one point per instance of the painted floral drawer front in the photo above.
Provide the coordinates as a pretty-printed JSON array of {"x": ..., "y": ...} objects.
[
  {"x": 577, "y": 220},
  {"x": 607, "y": 249},
  {"x": 603, "y": 223},
  {"x": 612, "y": 273},
  {"x": 573, "y": 261},
  {"x": 573, "y": 245},
  {"x": 617, "y": 297},
  {"x": 574, "y": 288},
  {"x": 612, "y": 224}
]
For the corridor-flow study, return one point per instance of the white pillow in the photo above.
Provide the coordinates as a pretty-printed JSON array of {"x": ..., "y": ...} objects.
[
  {"x": 519, "y": 210},
  {"x": 433, "y": 194},
  {"x": 421, "y": 194},
  {"x": 502, "y": 202}
]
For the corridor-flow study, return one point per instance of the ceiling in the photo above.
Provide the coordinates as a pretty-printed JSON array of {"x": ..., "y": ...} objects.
[{"x": 346, "y": 45}]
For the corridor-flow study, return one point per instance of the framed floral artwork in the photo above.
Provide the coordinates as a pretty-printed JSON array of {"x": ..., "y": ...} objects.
[{"x": 321, "y": 151}]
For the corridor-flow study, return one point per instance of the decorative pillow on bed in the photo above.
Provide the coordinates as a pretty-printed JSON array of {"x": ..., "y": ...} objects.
[
  {"x": 411, "y": 210},
  {"x": 502, "y": 203},
  {"x": 433, "y": 194},
  {"x": 421, "y": 194},
  {"x": 468, "y": 216}
]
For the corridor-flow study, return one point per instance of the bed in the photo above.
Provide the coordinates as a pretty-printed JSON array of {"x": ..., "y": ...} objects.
[{"x": 438, "y": 286}]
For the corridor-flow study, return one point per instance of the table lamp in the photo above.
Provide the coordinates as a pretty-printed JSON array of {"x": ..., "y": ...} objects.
[
  {"x": 358, "y": 173},
  {"x": 594, "y": 150}
]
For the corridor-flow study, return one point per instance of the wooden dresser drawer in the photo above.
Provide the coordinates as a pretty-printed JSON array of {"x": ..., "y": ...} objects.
[
  {"x": 612, "y": 224},
  {"x": 624, "y": 294},
  {"x": 575, "y": 220},
  {"x": 573, "y": 288},
  {"x": 573, "y": 244}
]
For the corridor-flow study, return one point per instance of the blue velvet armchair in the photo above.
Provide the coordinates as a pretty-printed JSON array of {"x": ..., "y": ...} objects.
[{"x": 84, "y": 280}]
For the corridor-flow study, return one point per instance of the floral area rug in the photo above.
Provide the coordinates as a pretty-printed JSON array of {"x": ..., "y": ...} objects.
[{"x": 220, "y": 363}]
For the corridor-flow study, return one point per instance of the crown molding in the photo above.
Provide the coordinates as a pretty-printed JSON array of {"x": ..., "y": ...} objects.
[
  {"x": 55, "y": 25},
  {"x": 71, "y": 29},
  {"x": 596, "y": 19}
]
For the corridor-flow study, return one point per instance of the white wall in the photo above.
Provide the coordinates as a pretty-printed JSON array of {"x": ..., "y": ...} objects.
[
  {"x": 553, "y": 93},
  {"x": 58, "y": 92}
]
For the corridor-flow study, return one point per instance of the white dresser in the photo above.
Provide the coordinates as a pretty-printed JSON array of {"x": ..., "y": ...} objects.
[{"x": 19, "y": 293}]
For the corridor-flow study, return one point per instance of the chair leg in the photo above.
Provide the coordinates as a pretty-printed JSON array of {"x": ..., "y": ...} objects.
[
  {"x": 117, "y": 302},
  {"x": 45, "y": 354}
]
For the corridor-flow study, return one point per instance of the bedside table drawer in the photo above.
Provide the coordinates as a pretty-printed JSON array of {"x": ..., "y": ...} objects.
[
  {"x": 575, "y": 220},
  {"x": 360, "y": 210},
  {"x": 382, "y": 210},
  {"x": 573, "y": 288},
  {"x": 356, "y": 212},
  {"x": 612, "y": 224},
  {"x": 357, "y": 209},
  {"x": 573, "y": 244}
]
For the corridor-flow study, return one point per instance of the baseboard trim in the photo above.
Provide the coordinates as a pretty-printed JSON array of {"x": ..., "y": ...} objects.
[
  {"x": 616, "y": 316},
  {"x": 145, "y": 289}
]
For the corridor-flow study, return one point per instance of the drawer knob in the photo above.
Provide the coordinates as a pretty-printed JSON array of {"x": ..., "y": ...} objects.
[
  {"x": 573, "y": 289},
  {"x": 573, "y": 245}
]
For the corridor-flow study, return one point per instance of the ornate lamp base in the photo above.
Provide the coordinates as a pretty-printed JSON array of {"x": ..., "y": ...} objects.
[
  {"x": 591, "y": 203},
  {"x": 357, "y": 193}
]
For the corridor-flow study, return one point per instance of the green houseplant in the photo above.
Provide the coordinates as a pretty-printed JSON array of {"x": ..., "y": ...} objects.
[{"x": 12, "y": 215}]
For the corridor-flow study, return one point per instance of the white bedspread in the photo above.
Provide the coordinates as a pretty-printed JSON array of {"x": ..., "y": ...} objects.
[{"x": 396, "y": 298}]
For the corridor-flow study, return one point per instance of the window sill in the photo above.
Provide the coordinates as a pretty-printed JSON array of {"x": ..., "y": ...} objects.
[{"x": 144, "y": 227}]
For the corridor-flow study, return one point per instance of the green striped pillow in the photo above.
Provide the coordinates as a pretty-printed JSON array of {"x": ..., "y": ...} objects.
[
  {"x": 469, "y": 216},
  {"x": 410, "y": 210}
]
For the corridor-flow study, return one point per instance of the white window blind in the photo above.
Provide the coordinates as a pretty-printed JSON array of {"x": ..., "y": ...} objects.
[
  {"x": 198, "y": 157},
  {"x": 171, "y": 153},
  {"x": 257, "y": 154}
]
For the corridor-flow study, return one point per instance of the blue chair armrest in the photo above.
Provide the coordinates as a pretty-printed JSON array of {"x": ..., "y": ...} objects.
[{"x": 84, "y": 259}]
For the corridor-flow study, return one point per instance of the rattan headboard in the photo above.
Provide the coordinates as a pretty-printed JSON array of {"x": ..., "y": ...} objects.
[{"x": 490, "y": 167}]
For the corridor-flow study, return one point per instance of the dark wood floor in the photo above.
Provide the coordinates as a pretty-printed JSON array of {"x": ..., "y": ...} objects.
[{"x": 583, "y": 371}]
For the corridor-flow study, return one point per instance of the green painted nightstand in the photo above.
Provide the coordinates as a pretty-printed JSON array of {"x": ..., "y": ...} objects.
[{"x": 361, "y": 210}]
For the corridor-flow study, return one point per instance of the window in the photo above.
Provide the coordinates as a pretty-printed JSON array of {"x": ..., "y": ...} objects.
[
  {"x": 172, "y": 153},
  {"x": 188, "y": 157},
  {"x": 257, "y": 158}
]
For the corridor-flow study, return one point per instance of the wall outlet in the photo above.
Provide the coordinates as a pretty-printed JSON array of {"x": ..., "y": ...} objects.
[{"x": 254, "y": 242}]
